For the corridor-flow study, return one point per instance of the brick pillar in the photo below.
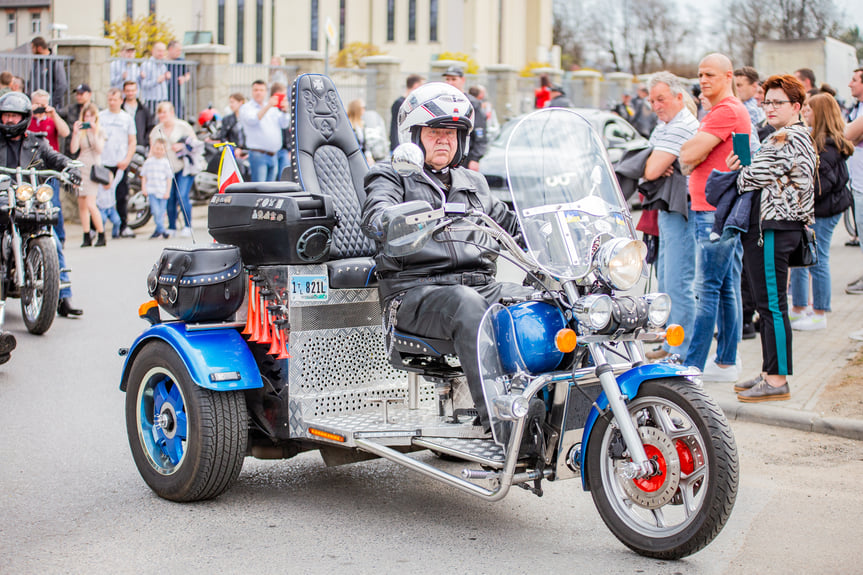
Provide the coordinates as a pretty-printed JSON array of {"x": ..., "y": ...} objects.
[
  {"x": 619, "y": 83},
  {"x": 309, "y": 62},
  {"x": 590, "y": 92},
  {"x": 91, "y": 64},
  {"x": 212, "y": 79},
  {"x": 388, "y": 84},
  {"x": 505, "y": 81}
]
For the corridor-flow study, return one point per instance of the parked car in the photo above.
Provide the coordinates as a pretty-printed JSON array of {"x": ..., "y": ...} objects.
[{"x": 617, "y": 134}]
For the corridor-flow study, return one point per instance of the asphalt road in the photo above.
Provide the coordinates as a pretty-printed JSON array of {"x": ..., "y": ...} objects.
[{"x": 71, "y": 499}]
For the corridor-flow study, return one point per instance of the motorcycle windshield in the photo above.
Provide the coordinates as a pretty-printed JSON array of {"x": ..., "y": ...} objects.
[{"x": 564, "y": 191}]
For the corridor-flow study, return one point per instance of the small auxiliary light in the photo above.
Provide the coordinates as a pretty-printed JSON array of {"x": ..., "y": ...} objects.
[
  {"x": 674, "y": 335},
  {"x": 565, "y": 340}
]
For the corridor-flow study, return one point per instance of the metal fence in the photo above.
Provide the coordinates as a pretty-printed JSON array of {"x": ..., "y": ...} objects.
[
  {"x": 242, "y": 76},
  {"x": 49, "y": 73},
  {"x": 160, "y": 80},
  {"x": 356, "y": 84}
]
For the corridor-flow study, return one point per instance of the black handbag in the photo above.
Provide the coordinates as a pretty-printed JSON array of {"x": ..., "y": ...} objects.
[
  {"x": 806, "y": 252},
  {"x": 101, "y": 175},
  {"x": 198, "y": 283}
]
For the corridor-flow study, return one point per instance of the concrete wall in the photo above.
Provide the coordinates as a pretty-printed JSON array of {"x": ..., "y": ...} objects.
[{"x": 832, "y": 61}]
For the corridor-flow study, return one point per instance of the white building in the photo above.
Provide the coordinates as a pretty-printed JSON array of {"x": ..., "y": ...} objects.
[
  {"x": 512, "y": 32},
  {"x": 22, "y": 20}
]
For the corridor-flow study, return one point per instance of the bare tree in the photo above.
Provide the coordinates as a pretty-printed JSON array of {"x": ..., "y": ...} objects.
[{"x": 567, "y": 31}]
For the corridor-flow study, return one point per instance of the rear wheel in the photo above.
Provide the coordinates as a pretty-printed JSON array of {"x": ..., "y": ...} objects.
[
  {"x": 681, "y": 509},
  {"x": 188, "y": 442},
  {"x": 41, "y": 290},
  {"x": 848, "y": 218},
  {"x": 138, "y": 208}
]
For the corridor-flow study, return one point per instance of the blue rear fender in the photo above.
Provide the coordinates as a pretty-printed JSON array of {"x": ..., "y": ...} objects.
[
  {"x": 204, "y": 352},
  {"x": 629, "y": 382}
]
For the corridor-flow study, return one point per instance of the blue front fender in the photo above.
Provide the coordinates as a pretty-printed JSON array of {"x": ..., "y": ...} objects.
[
  {"x": 629, "y": 382},
  {"x": 204, "y": 352}
]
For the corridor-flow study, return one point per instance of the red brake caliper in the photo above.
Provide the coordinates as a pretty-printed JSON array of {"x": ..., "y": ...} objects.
[
  {"x": 653, "y": 483},
  {"x": 687, "y": 461}
]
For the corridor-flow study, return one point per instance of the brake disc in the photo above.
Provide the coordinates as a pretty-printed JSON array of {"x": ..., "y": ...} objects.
[{"x": 654, "y": 492}]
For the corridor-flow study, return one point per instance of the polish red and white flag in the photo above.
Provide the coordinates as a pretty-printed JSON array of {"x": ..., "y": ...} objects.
[{"x": 229, "y": 171}]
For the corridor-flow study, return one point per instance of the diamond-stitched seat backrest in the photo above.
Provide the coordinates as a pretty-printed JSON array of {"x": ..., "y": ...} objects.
[{"x": 327, "y": 159}]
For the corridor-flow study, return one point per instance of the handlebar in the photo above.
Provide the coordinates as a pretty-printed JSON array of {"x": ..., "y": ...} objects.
[{"x": 32, "y": 172}]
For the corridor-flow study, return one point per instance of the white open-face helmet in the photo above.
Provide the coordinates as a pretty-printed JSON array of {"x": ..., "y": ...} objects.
[{"x": 436, "y": 105}]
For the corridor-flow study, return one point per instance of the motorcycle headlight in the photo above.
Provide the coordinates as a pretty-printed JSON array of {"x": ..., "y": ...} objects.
[
  {"x": 593, "y": 311},
  {"x": 24, "y": 193},
  {"x": 658, "y": 308},
  {"x": 620, "y": 261},
  {"x": 44, "y": 193}
]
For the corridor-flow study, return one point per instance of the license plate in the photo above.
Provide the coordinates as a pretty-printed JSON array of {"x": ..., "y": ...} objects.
[{"x": 309, "y": 288}]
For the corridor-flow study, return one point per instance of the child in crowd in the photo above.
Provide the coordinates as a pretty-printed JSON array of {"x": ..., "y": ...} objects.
[
  {"x": 107, "y": 203},
  {"x": 156, "y": 176}
]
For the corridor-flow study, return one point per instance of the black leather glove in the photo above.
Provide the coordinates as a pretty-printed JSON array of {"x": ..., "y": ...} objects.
[{"x": 75, "y": 176}]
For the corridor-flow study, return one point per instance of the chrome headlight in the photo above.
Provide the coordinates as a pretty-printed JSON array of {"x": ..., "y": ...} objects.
[
  {"x": 44, "y": 193},
  {"x": 25, "y": 192},
  {"x": 658, "y": 308},
  {"x": 593, "y": 311},
  {"x": 620, "y": 261}
]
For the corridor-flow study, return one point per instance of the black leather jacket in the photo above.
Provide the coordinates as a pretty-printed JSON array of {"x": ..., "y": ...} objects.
[
  {"x": 438, "y": 262},
  {"x": 36, "y": 152}
]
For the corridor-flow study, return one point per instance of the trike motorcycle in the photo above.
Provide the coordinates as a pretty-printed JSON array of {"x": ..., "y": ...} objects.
[
  {"x": 29, "y": 268},
  {"x": 568, "y": 391}
]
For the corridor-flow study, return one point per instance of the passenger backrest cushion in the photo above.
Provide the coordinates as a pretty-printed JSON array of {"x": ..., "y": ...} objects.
[{"x": 327, "y": 159}]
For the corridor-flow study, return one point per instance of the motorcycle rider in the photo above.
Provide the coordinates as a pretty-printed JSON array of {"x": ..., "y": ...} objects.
[
  {"x": 443, "y": 290},
  {"x": 18, "y": 147}
]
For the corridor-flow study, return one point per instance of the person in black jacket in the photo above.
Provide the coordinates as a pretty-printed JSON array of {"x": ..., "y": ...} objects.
[
  {"x": 144, "y": 119},
  {"x": 442, "y": 290},
  {"x": 832, "y": 197},
  {"x": 413, "y": 82},
  {"x": 48, "y": 75}
]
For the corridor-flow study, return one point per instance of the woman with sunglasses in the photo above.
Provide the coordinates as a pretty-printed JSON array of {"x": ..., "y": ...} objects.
[{"x": 781, "y": 175}]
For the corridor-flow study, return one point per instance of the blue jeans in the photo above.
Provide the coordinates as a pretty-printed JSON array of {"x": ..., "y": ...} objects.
[
  {"x": 820, "y": 272},
  {"x": 717, "y": 293},
  {"x": 263, "y": 167},
  {"x": 60, "y": 239},
  {"x": 676, "y": 272},
  {"x": 61, "y": 261},
  {"x": 180, "y": 187},
  {"x": 111, "y": 214},
  {"x": 158, "y": 206}
]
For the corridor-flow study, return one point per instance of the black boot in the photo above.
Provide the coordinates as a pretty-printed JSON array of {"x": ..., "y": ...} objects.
[
  {"x": 100, "y": 241},
  {"x": 65, "y": 308},
  {"x": 7, "y": 344},
  {"x": 88, "y": 241}
]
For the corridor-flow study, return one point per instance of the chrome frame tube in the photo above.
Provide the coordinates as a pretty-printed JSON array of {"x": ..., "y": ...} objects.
[
  {"x": 621, "y": 412},
  {"x": 17, "y": 253}
]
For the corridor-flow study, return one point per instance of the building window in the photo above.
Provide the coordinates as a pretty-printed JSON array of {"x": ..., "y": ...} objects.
[
  {"x": 259, "y": 32},
  {"x": 130, "y": 9},
  {"x": 10, "y": 23},
  {"x": 107, "y": 17},
  {"x": 432, "y": 20},
  {"x": 35, "y": 22},
  {"x": 342, "y": 16},
  {"x": 314, "y": 43},
  {"x": 241, "y": 24},
  {"x": 412, "y": 20},
  {"x": 391, "y": 20},
  {"x": 220, "y": 26},
  {"x": 152, "y": 7}
]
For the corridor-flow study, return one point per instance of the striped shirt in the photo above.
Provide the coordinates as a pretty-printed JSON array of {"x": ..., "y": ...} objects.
[
  {"x": 671, "y": 136},
  {"x": 158, "y": 174}
]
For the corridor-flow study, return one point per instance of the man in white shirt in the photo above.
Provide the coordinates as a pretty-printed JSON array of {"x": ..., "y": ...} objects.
[
  {"x": 263, "y": 120},
  {"x": 154, "y": 77},
  {"x": 854, "y": 132},
  {"x": 119, "y": 126}
]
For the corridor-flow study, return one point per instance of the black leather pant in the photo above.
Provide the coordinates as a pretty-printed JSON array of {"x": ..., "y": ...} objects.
[{"x": 454, "y": 312}]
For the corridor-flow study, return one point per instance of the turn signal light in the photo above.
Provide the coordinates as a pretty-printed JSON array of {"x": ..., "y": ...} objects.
[
  {"x": 565, "y": 340},
  {"x": 149, "y": 311},
  {"x": 674, "y": 335},
  {"x": 326, "y": 435}
]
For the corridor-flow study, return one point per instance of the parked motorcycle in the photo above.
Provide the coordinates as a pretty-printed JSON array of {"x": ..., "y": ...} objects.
[
  {"x": 564, "y": 376},
  {"x": 137, "y": 206},
  {"x": 29, "y": 268}
]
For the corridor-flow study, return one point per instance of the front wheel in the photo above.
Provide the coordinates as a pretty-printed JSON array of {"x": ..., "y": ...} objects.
[
  {"x": 41, "y": 290},
  {"x": 138, "y": 209},
  {"x": 188, "y": 442},
  {"x": 684, "y": 507}
]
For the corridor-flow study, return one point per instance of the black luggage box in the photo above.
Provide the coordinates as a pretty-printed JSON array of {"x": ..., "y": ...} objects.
[
  {"x": 198, "y": 283},
  {"x": 273, "y": 223}
]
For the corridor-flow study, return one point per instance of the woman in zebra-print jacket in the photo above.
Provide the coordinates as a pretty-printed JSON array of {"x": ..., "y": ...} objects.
[{"x": 781, "y": 174}]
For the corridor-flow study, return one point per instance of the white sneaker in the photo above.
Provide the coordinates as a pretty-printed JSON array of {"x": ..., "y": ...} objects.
[
  {"x": 810, "y": 323},
  {"x": 186, "y": 232},
  {"x": 714, "y": 373},
  {"x": 798, "y": 316}
]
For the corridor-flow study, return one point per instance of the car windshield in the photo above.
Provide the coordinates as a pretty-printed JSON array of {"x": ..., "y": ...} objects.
[{"x": 564, "y": 191}]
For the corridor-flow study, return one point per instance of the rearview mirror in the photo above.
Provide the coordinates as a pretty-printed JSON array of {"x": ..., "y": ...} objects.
[{"x": 407, "y": 159}]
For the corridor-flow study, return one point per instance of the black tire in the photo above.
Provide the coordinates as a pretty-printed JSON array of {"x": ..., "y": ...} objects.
[
  {"x": 138, "y": 209},
  {"x": 41, "y": 290},
  {"x": 848, "y": 218},
  {"x": 206, "y": 461},
  {"x": 694, "y": 506}
]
